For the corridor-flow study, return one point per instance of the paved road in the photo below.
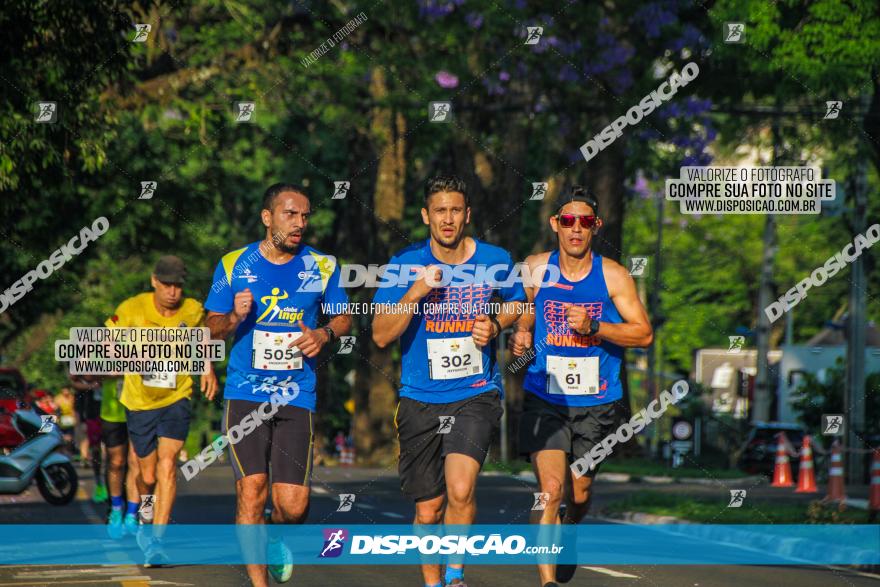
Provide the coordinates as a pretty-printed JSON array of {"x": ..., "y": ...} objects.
[{"x": 502, "y": 498}]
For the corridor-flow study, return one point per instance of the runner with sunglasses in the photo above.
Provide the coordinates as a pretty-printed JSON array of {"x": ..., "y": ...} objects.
[{"x": 582, "y": 324}]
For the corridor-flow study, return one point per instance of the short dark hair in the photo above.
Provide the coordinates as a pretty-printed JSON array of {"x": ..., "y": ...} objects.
[
  {"x": 446, "y": 183},
  {"x": 579, "y": 193},
  {"x": 276, "y": 189}
]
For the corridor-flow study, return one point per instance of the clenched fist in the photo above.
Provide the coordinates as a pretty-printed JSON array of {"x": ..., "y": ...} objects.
[
  {"x": 577, "y": 318},
  {"x": 519, "y": 342},
  {"x": 243, "y": 303},
  {"x": 484, "y": 330},
  {"x": 428, "y": 279}
]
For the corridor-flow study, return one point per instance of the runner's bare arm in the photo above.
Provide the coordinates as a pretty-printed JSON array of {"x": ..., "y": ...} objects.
[
  {"x": 389, "y": 325},
  {"x": 222, "y": 325},
  {"x": 635, "y": 330},
  {"x": 510, "y": 313},
  {"x": 208, "y": 383},
  {"x": 340, "y": 324},
  {"x": 521, "y": 339},
  {"x": 313, "y": 340}
]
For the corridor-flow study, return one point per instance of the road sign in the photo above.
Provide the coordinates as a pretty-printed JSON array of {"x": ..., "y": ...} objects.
[{"x": 682, "y": 429}]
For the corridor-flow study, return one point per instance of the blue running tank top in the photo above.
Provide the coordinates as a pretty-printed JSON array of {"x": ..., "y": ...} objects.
[{"x": 584, "y": 371}]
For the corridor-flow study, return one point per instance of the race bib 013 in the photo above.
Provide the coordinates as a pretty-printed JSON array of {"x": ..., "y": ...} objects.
[{"x": 161, "y": 379}]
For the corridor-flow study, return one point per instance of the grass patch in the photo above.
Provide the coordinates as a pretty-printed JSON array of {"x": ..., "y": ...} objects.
[
  {"x": 643, "y": 467},
  {"x": 636, "y": 467},
  {"x": 512, "y": 467},
  {"x": 715, "y": 511}
]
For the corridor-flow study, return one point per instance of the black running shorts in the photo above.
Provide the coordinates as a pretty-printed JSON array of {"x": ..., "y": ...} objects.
[
  {"x": 547, "y": 426},
  {"x": 113, "y": 433},
  {"x": 284, "y": 442},
  {"x": 427, "y": 433}
]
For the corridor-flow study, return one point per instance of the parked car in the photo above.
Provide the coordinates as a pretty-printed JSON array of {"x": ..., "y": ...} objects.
[
  {"x": 759, "y": 453},
  {"x": 13, "y": 395}
]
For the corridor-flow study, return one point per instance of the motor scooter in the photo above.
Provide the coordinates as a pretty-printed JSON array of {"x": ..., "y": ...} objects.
[{"x": 38, "y": 458}]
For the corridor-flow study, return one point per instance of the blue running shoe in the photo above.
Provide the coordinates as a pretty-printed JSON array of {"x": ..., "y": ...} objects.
[
  {"x": 155, "y": 555},
  {"x": 114, "y": 524},
  {"x": 130, "y": 523},
  {"x": 280, "y": 561}
]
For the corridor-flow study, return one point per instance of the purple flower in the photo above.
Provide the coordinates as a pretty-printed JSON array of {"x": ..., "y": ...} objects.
[
  {"x": 605, "y": 39},
  {"x": 436, "y": 9},
  {"x": 641, "y": 186},
  {"x": 446, "y": 80},
  {"x": 570, "y": 49},
  {"x": 654, "y": 16},
  {"x": 474, "y": 20},
  {"x": 503, "y": 76},
  {"x": 567, "y": 73},
  {"x": 621, "y": 81},
  {"x": 492, "y": 87}
]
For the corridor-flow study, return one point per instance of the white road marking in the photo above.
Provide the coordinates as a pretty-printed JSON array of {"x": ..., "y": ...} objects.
[
  {"x": 366, "y": 506},
  {"x": 392, "y": 515},
  {"x": 854, "y": 572},
  {"x": 611, "y": 573},
  {"x": 55, "y": 582},
  {"x": 320, "y": 490},
  {"x": 80, "y": 575},
  {"x": 67, "y": 572}
]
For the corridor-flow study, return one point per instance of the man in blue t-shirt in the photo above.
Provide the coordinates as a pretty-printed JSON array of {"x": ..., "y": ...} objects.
[
  {"x": 585, "y": 310},
  {"x": 450, "y": 396},
  {"x": 268, "y": 294}
]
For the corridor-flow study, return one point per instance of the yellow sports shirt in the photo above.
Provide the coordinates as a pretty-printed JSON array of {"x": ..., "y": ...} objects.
[{"x": 140, "y": 312}]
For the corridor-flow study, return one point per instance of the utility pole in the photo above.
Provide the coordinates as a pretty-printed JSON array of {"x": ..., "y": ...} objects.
[
  {"x": 761, "y": 405},
  {"x": 656, "y": 322},
  {"x": 854, "y": 393}
]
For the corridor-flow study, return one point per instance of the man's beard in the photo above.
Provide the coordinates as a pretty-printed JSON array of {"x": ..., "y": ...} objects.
[
  {"x": 281, "y": 242},
  {"x": 448, "y": 241},
  {"x": 291, "y": 249}
]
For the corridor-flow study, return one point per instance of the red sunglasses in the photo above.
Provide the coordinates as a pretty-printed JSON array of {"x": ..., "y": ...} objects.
[{"x": 567, "y": 220}]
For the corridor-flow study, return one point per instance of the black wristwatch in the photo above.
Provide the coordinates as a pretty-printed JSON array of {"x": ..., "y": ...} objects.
[
  {"x": 330, "y": 333},
  {"x": 594, "y": 327}
]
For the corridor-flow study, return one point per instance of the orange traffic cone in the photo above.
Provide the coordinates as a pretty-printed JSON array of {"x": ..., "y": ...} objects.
[
  {"x": 874, "y": 500},
  {"x": 782, "y": 469},
  {"x": 806, "y": 473},
  {"x": 836, "y": 490}
]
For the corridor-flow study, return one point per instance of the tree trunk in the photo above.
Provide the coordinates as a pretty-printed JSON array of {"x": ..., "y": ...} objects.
[
  {"x": 606, "y": 182},
  {"x": 375, "y": 392}
]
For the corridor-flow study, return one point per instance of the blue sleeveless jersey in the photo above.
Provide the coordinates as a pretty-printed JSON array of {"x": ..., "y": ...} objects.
[{"x": 553, "y": 336}]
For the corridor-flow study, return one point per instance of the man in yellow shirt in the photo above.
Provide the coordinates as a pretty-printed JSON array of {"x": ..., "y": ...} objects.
[{"x": 157, "y": 404}]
